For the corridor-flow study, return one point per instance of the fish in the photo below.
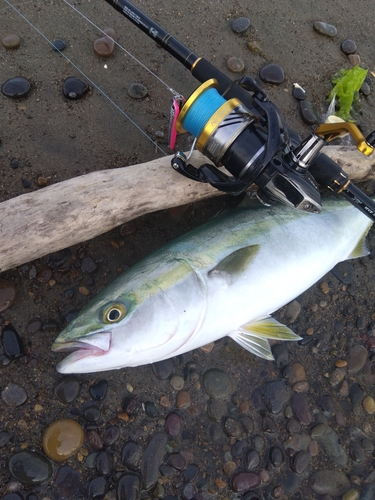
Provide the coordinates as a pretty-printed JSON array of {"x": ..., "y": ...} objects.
[{"x": 224, "y": 278}]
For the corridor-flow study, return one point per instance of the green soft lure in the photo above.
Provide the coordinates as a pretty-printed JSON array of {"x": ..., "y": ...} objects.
[{"x": 347, "y": 83}]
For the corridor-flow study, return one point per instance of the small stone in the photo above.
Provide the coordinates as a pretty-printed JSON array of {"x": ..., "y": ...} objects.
[
  {"x": 26, "y": 183},
  {"x": 177, "y": 461},
  {"x": 231, "y": 427},
  {"x": 16, "y": 87},
  {"x": 301, "y": 387},
  {"x": 173, "y": 424},
  {"x": 235, "y": 64},
  {"x": 341, "y": 363},
  {"x": 276, "y": 396},
  {"x": 10, "y": 41},
  {"x": 337, "y": 376},
  {"x": 254, "y": 47},
  {"x": 94, "y": 441},
  {"x": 355, "y": 393},
  {"x": 88, "y": 265},
  {"x": 357, "y": 358},
  {"x": 7, "y": 294},
  {"x": 74, "y": 88},
  {"x": 300, "y": 461},
  {"x": 42, "y": 181},
  {"x": 298, "y": 92},
  {"x": 217, "y": 384},
  {"x": 58, "y": 45},
  {"x": 229, "y": 467},
  {"x": 131, "y": 454},
  {"x": 13, "y": 394},
  {"x": 111, "y": 435},
  {"x": 91, "y": 414},
  {"x": 97, "y": 487},
  {"x": 292, "y": 311},
  {"x": 62, "y": 439},
  {"x": 241, "y": 24},
  {"x": 12, "y": 342},
  {"x": 99, "y": 390},
  {"x": 348, "y": 47},
  {"x": 296, "y": 373},
  {"x": 163, "y": 369},
  {"x": 183, "y": 399},
  {"x": 30, "y": 467},
  {"x": 150, "y": 409},
  {"x": 129, "y": 486},
  {"x": 272, "y": 73},
  {"x": 354, "y": 59},
  {"x": 308, "y": 113},
  {"x": 369, "y": 404},
  {"x": 177, "y": 382},
  {"x": 352, "y": 494},
  {"x": 324, "y": 287},
  {"x": 105, "y": 46},
  {"x": 301, "y": 408},
  {"x": 365, "y": 89},
  {"x": 137, "y": 91},
  {"x": 325, "y": 29},
  {"x": 330, "y": 482},
  {"x": 243, "y": 481},
  {"x": 67, "y": 389},
  {"x": 252, "y": 459},
  {"x": 152, "y": 459}
]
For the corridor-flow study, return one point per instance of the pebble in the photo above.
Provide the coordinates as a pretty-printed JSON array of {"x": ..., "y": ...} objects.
[
  {"x": 351, "y": 495},
  {"x": 173, "y": 424},
  {"x": 152, "y": 459},
  {"x": 276, "y": 456},
  {"x": 301, "y": 408},
  {"x": 58, "y": 45},
  {"x": 243, "y": 481},
  {"x": 177, "y": 382},
  {"x": 30, "y": 467},
  {"x": 217, "y": 384},
  {"x": 111, "y": 435},
  {"x": 355, "y": 393},
  {"x": 34, "y": 326},
  {"x": 129, "y": 486},
  {"x": 91, "y": 414},
  {"x": 337, "y": 376},
  {"x": 326, "y": 404},
  {"x": 177, "y": 461},
  {"x": 16, "y": 87},
  {"x": 354, "y": 59},
  {"x": 74, "y": 88},
  {"x": 330, "y": 482},
  {"x": 235, "y": 64},
  {"x": 344, "y": 272},
  {"x": 104, "y": 463},
  {"x": 137, "y": 91},
  {"x": 97, "y": 487},
  {"x": 292, "y": 311},
  {"x": 99, "y": 390},
  {"x": 254, "y": 47},
  {"x": 348, "y": 47},
  {"x": 357, "y": 358},
  {"x": 276, "y": 396},
  {"x": 94, "y": 440},
  {"x": 331, "y": 442},
  {"x": 67, "y": 389},
  {"x": 88, "y": 265},
  {"x": 10, "y": 41},
  {"x": 369, "y": 404},
  {"x": 253, "y": 459},
  {"x": 365, "y": 89},
  {"x": 62, "y": 439},
  {"x": 150, "y": 409},
  {"x": 4, "y": 438},
  {"x": 231, "y": 427},
  {"x": 300, "y": 461},
  {"x": 325, "y": 29},
  {"x": 163, "y": 369},
  {"x": 131, "y": 454},
  {"x": 105, "y": 46},
  {"x": 308, "y": 113},
  {"x": 183, "y": 399},
  {"x": 7, "y": 294},
  {"x": 216, "y": 410},
  {"x": 295, "y": 373},
  {"x": 13, "y": 394},
  {"x": 272, "y": 73},
  {"x": 298, "y": 92},
  {"x": 241, "y": 24},
  {"x": 12, "y": 342}
]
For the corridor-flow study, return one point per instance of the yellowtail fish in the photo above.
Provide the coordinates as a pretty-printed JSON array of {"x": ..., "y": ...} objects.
[{"x": 223, "y": 278}]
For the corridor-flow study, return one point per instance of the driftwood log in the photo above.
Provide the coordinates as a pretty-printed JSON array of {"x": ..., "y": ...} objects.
[{"x": 35, "y": 224}]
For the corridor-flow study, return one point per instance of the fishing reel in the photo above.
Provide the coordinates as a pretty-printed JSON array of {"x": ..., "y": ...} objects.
[{"x": 256, "y": 147}]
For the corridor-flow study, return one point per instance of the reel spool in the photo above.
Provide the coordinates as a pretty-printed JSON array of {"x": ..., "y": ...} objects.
[{"x": 223, "y": 130}]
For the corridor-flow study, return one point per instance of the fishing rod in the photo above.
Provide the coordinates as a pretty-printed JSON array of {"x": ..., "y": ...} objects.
[{"x": 235, "y": 125}]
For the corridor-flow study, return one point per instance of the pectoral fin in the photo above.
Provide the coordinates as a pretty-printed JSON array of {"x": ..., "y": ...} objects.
[
  {"x": 360, "y": 249},
  {"x": 254, "y": 336},
  {"x": 237, "y": 261}
]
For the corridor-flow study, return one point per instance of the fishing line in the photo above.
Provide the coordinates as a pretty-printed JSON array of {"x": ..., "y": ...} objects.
[
  {"x": 171, "y": 89},
  {"x": 87, "y": 77}
]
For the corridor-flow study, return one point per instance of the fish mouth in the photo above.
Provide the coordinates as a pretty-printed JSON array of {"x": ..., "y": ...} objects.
[{"x": 96, "y": 344}]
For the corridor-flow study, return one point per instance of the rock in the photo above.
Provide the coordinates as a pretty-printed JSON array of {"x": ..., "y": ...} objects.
[
  {"x": 12, "y": 342},
  {"x": 13, "y": 394},
  {"x": 177, "y": 382},
  {"x": 177, "y": 461},
  {"x": 94, "y": 440},
  {"x": 331, "y": 442},
  {"x": 16, "y": 87},
  {"x": 129, "y": 486},
  {"x": 272, "y": 73},
  {"x": 326, "y": 404},
  {"x": 276, "y": 396},
  {"x": 183, "y": 399},
  {"x": 253, "y": 459},
  {"x": 10, "y": 41},
  {"x": 173, "y": 424},
  {"x": 58, "y": 45},
  {"x": 344, "y": 271},
  {"x": 105, "y": 46},
  {"x": 152, "y": 459},
  {"x": 217, "y": 384},
  {"x": 355, "y": 394},
  {"x": 62, "y": 439},
  {"x": 131, "y": 454},
  {"x": 231, "y": 427},
  {"x": 330, "y": 482},
  {"x": 241, "y": 24},
  {"x": 97, "y": 487},
  {"x": 325, "y": 29},
  {"x": 88, "y": 265},
  {"x": 369, "y": 404},
  {"x": 292, "y": 311},
  {"x": 254, "y": 47},
  {"x": 99, "y": 390},
  {"x": 348, "y": 47},
  {"x": 301, "y": 408},
  {"x": 150, "y": 409},
  {"x": 354, "y": 59},
  {"x": 357, "y": 358},
  {"x": 137, "y": 91},
  {"x": 308, "y": 113},
  {"x": 91, "y": 414},
  {"x": 7, "y": 294},
  {"x": 295, "y": 373},
  {"x": 74, "y": 88},
  {"x": 235, "y": 64},
  {"x": 276, "y": 456},
  {"x": 163, "y": 369},
  {"x": 30, "y": 467},
  {"x": 67, "y": 389},
  {"x": 298, "y": 92},
  {"x": 300, "y": 461},
  {"x": 243, "y": 481}
]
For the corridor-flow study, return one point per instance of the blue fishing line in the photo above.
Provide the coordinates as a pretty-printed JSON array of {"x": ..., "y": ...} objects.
[{"x": 201, "y": 111}]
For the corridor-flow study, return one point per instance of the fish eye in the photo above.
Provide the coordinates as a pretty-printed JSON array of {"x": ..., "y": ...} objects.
[{"x": 114, "y": 313}]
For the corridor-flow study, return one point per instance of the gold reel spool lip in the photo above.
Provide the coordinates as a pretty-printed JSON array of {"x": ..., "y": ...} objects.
[{"x": 209, "y": 84}]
